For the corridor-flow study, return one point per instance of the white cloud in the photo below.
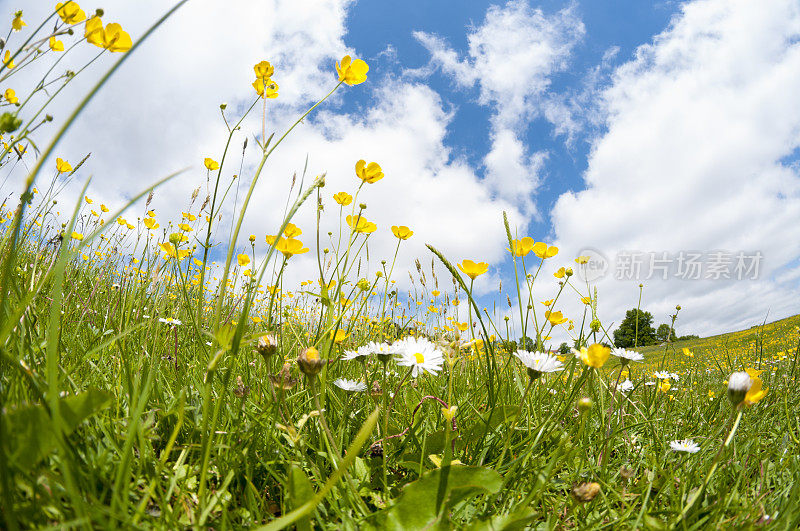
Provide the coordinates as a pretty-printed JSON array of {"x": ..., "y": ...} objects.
[
  {"x": 510, "y": 58},
  {"x": 698, "y": 125}
]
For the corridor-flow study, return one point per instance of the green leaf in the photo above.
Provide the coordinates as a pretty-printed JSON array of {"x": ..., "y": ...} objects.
[
  {"x": 507, "y": 522},
  {"x": 300, "y": 491},
  {"x": 30, "y": 429},
  {"x": 425, "y": 503}
]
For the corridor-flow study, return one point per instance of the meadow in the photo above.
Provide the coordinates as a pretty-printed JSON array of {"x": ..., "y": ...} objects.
[{"x": 159, "y": 373}]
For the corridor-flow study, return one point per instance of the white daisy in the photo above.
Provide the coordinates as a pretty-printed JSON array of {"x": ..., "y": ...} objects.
[
  {"x": 353, "y": 354},
  {"x": 419, "y": 354},
  {"x": 170, "y": 321},
  {"x": 626, "y": 386},
  {"x": 626, "y": 355},
  {"x": 538, "y": 362},
  {"x": 687, "y": 445},
  {"x": 661, "y": 375},
  {"x": 674, "y": 376},
  {"x": 350, "y": 385}
]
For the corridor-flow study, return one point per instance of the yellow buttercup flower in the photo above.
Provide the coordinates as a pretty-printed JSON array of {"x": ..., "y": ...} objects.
[
  {"x": 70, "y": 13},
  {"x": 113, "y": 38},
  {"x": 339, "y": 336},
  {"x": 543, "y": 251},
  {"x": 586, "y": 300},
  {"x": 753, "y": 373},
  {"x": 582, "y": 260},
  {"x": 243, "y": 260},
  {"x": 360, "y": 224},
  {"x": 210, "y": 164},
  {"x": 89, "y": 200},
  {"x": 7, "y": 60},
  {"x": 343, "y": 198},
  {"x": 594, "y": 356},
  {"x": 151, "y": 224},
  {"x": 266, "y": 90},
  {"x": 288, "y": 246},
  {"x": 77, "y": 236},
  {"x": 264, "y": 70},
  {"x": 103, "y": 208},
  {"x": 473, "y": 269},
  {"x": 687, "y": 352},
  {"x": 402, "y": 232},
  {"x": 755, "y": 393},
  {"x": 56, "y": 45},
  {"x": 555, "y": 318},
  {"x": 560, "y": 273},
  {"x": 521, "y": 247},
  {"x": 11, "y": 96},
  {"x": 17, "y": 24},
  {"x": 292, "y": 230},
  {"x": 185, "y": 227},
  {"x": 369, "y": 173},
  {"x": 352, "y": 72},
  {"x": 664, "y": 386}
]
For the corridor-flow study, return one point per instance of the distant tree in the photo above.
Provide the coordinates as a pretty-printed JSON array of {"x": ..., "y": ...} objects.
[
  {"x": 635, "y": 330},
  {"x": 510, "y": 346},
  {"x": 690, "y": 336},
  {"x": 563, "y": 348},
  {"x": 665, "y": 333},
  {"x": 526, "y": 343}
]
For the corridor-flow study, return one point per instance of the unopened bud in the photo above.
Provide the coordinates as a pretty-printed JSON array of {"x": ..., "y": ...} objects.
[
  {"x": 584, "y": 404},
  {"x": 310, "y": 362},
  {"x": 267, "y": 346}
]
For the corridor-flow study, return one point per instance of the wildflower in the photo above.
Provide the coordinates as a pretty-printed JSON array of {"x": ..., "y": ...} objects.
[
  {"x": 283, "y": 380},
  {"x": 755, "y": 393},
  {"x": 267, "y": 90},
  {"x": 594, "y": 356},
  {"x": 555, "y": 318},
  {"x": 290, "y": 247},
  {"x": 538, "y": 363},
  {"x": 112, "y": 37},
  {"x": 360, "y": 224},
  {"x": 264, "y": 70},
  {"x": 449, "y": 412},
  {"x": 170, "y": 321},
  {"x": 560, "y": 273},
  {"x": 210, "y": 164},
  {"x": 369, "y": 173},
  {"x": 343, "y": 198},
  {"x": 586, "y": 300},
  {"x": 350, "y": 385},
  {"x": 625, "y": 356},
  {"x": 402, "y": 232},
  {"x": 17, "y": 24},
  {"x": 664, "y": 386},
  {"x": 310, "y": 362},
  {"x": 661, "y": 375},
  {"x": 473, "y": 269},
  {"x": 626, "y": 386},
  {"x": 267, "y": 346},
  {"x": 70, "y": 12},
  {"x": 542, "y": 250},
  {"x": 56, "y": 45},
  {"x": 688, "y": 446},
  {"x": 11, "y": 96},
  {"x": 419, "y": 354},
  {"x": 586, "y": 492},
  {"x": 8, "y": 61},
  {"x": 77, "y": 236},
  {"x": 352, "y": 72},
  {"x": 338, "y": 336},
  {"x": 151, "y": 224},
  {"x": 687, "y": 352},
  {"x": 739, "y": 383},
  {"x": 521, "y": 247}
]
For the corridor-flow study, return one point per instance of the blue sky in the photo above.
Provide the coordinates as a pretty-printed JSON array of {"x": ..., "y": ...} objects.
[{"x": 620, "y": 126}]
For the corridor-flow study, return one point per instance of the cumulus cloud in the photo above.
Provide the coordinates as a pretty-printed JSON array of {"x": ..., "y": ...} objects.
[
  {"x": 701, "y": 127},
  {"x": 510, "y": 58}
]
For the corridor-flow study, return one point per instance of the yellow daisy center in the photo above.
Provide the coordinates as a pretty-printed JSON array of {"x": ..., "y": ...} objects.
[{"x": 419, "y": 357}]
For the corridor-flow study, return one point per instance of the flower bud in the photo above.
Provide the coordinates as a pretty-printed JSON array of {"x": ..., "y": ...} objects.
[
  {"x": 738, "y": 385},
  {"x": 568, "y": 272},
  {"x": 309, "y": 362},
  {"x": 586, "y": 492},
  {"x": 584, "y": 404},
  {"x": 267, "y": 346}
]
